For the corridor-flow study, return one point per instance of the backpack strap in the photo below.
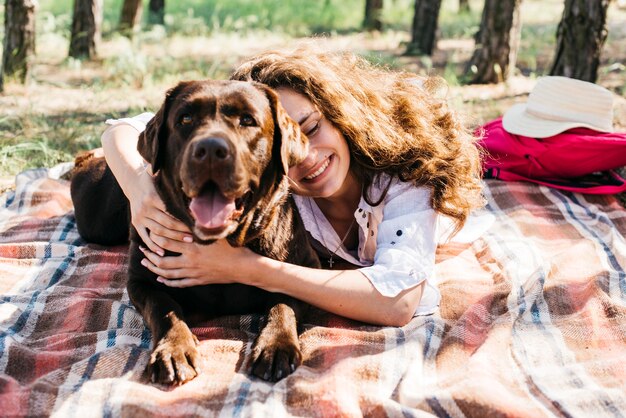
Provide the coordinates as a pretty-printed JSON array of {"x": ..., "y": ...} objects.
[{"x": 617, "y": 183}]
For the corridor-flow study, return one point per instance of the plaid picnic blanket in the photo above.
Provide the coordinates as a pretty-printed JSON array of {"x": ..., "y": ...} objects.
[{"x": 532, "y": 323}]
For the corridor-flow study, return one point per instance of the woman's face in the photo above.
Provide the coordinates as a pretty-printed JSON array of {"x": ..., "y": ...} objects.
[{"x": 324, "y": 171}]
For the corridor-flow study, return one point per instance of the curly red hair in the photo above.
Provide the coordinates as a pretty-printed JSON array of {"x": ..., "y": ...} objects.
[{"x": 393, "y": 122}]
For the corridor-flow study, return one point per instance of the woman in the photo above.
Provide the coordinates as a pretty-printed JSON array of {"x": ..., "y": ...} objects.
[{"x": 386, "y": 157}]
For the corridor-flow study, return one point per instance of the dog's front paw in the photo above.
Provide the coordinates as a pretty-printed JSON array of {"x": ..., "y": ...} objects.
[
  {"x": 274, "y": 358},
  {"x": 175, "y": 358}
]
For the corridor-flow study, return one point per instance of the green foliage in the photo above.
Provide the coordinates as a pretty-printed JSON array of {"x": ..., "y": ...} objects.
[
  {"x": 41, "y": 149},
  {"x": 453, "y": 24},
  {"x": 202, "y": 17},
  {"x": 535, "y": 37},
  {"x": 37, "y": 140},
  {"x": 291, "y": 17},
  {"x": 31, "y": 154},
  {"x": 207, "y": 39},
  {"x": 137, "y": 70}
]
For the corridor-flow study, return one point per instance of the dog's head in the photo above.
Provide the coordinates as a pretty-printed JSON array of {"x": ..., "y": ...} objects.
[{"x": 220, "y": 148}]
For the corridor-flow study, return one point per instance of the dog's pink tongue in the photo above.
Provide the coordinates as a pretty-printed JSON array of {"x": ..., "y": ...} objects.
[{"x": 211, "y": 209}]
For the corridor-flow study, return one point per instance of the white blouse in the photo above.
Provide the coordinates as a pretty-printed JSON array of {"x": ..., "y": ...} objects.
[{"x": 397, "y": 238}]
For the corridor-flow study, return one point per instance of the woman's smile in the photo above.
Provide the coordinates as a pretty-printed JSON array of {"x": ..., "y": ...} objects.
[{"x": 319, "y": 170}]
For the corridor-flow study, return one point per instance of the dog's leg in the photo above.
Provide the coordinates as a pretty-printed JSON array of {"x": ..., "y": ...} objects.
[
  {"x": 276, "y": 351},
  {"x": 175, "y": 357}
]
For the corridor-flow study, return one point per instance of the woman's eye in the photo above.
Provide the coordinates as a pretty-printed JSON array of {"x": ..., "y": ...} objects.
[
  {"x": 312, "y": 130},
  {"x": 186, "y": 120},
  {"x": 247, "y": 120}
]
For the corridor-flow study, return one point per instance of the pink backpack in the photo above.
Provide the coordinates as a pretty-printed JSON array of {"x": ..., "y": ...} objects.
[{"x": 559, "y": 161}]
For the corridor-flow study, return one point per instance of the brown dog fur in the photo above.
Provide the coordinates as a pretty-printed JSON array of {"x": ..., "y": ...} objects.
[{"x": 262, "y": 142}]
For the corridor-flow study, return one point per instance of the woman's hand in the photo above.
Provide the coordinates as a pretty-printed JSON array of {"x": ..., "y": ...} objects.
[
  {"x": 198, "y": 264},
  {"x": 149, "y": 216},
  {"x": 148, "y": 213}
]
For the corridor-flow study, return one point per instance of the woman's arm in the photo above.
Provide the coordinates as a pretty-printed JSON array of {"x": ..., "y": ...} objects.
[
  {"x": 148, "y": 212},
  {"x": 119, "y": 143},
  {"x": 343, "y": 292}
]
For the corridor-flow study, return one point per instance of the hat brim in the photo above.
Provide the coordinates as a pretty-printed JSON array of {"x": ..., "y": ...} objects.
[{"x": 517, "y": 121}]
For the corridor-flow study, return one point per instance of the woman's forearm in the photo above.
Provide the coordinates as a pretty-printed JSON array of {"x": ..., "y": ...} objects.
[
  {"x": 347, "y": 292},
  {"x": 119, "y": 143}
]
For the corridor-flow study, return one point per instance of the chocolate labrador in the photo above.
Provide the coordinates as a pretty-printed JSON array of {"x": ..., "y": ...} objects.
[{"x": 220, "y": 151}]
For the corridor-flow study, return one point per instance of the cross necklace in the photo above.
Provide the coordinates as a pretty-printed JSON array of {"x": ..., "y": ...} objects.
[{"x": 330, "y": 254}]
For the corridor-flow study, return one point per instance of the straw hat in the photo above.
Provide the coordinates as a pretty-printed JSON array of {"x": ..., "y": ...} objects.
[{"x": 557, "y": 104}]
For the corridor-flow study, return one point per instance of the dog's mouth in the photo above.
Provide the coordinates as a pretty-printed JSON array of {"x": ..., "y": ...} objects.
[{"x": 214, "y": 212}]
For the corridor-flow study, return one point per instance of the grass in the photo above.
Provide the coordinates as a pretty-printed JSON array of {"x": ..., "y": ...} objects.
[
  {"x": 62, "y": 109},
  {"x": 203, "y": 17},
  {"x": 33, "y": 139},
  {"x": 289, "y": 17}
]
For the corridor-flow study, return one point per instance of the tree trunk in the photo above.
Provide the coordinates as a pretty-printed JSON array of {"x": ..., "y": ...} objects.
[
  {"x": 156, "y": 16},
  {"x": 86, "y": 35},
  {"x": 373, "y": 15},
  {"x": 424, "y": 29},
  {"x": 130, "y": 18},
  {"x": 497, "y": 42},
  {"x": 464, "y": 6},
  {"x": 19, "y": 38},
  {"x": 580, "y": 37}
]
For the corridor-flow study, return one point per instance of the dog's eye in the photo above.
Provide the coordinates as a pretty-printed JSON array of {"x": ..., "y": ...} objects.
[
  {"x": 247, "y": 120},
  {"x": 185, "y": 120}
]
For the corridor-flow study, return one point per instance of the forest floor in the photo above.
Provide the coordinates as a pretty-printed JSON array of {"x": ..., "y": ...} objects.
[{"x": 62, "y": 108}]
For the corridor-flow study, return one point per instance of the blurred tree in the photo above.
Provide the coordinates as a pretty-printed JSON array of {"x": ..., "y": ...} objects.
[
  {"x": 86, "y": 23},
  {"x": 373, "y": 15},
  {"x": 424, "y": 29},
  {"x": 130, "y": 17},
  {"x": 19, "y": 38},
  {"x": 580, "y": 37},
  {"x": 464, "y": 6},
  {"x": 156, "y": 15},
  {"x": 497, "y": 42}
]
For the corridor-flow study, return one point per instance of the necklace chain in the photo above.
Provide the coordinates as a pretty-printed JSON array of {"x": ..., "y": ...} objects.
[{"x": 330, "y": 254}]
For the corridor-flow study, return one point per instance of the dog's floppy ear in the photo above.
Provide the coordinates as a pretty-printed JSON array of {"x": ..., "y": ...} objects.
[
  {"x": 151, "y": 143},
  {"x": 289, "y": 143},
  {"x": 148, "y": 145}
]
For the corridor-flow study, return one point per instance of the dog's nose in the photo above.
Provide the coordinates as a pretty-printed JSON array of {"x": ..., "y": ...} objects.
[{"x": 207, "y": 149}]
